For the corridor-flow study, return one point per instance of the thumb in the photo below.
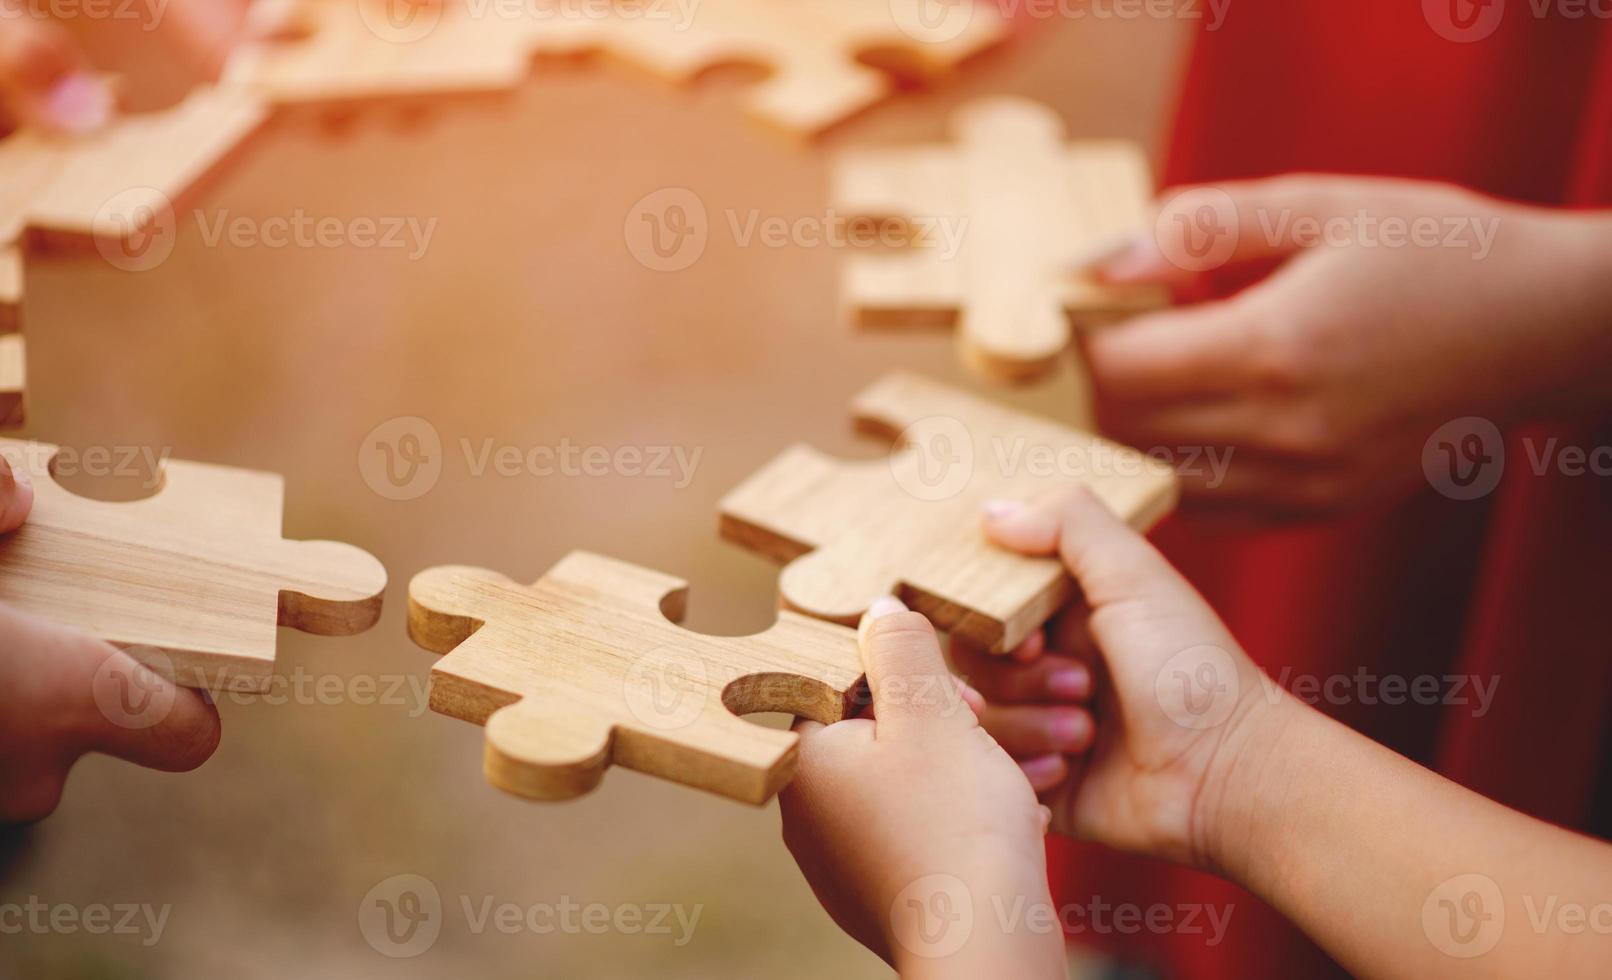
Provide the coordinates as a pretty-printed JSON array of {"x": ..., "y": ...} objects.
[
  {"x": 1205, "y": 227},
  {"x": 16, "y": 497},
  {"x": 44, "y": 80},
  {"x": 912, "y": 687},
  {"x": 1112, "y": 562},
  {"x": 108, "y": 701}
]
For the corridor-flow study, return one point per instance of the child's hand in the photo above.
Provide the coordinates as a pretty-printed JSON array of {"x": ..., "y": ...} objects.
[
  {"x": 1178, "y": 697},
  {"x": 63, "y": 695},
  {"x": 915, "y": 829},
  {"x": 1398, "y": 307}
]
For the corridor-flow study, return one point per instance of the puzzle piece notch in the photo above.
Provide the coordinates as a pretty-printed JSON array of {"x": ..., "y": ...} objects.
[
  {"x": 193, "y": 581},
  {"x": 1017, "y": 213},
  {"x": 910, "y": 524},
  {"x": 337, "y": 51},
  {"x": 587, "y": 668}
]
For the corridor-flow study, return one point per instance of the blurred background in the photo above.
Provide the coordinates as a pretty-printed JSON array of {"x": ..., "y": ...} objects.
[{"x": 524, "y": 319}]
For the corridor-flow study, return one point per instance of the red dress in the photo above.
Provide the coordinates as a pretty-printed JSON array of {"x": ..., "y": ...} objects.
[{"x": 1512, "y": 587}]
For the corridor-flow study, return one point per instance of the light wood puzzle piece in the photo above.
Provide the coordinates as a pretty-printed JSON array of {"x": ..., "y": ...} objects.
[
  {"x": 116, "y": 183},
  {"x": 328, "y": 50},
  {"x": 587, "y": 669},
  {"x": 1003, "y": 222},
  {"x": 910, "y": 525},
  {"x": 193, "y": 581}
]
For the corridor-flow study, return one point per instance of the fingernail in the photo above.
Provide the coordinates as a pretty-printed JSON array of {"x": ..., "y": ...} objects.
[
  {"x": 1069, "y": 683},
  {"x": 22, "y": 478},
  {"x": 207, "y": 696},
  {"x": 1139, "y": 259},
  {"x": 885, "y": 605},
  {"x": 1045, "y": 765},
  {"x": 79, "y": 104},
  {"x": 1068, "y": 730},
  {"x": 999, "y": 509}
]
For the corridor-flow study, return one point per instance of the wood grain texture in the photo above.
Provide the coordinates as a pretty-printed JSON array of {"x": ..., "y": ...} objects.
[
  {"x": 909, "y": 525},
  {"x": 587, "y": 668},
  {"x": 1001, "y": 224},
  {"x": 337, "y": 50},
  {"x": 193, "y": 581}
]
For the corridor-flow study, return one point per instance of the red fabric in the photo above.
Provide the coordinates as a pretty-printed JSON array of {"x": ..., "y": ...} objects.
[{"x": 1509, "y": 587}]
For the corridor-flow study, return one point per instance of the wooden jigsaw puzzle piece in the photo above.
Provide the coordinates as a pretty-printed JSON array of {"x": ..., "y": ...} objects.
[
  {"x": 310, "y": 51},
  {"x": 116, "y": 182},
  {"x": 910, "y": 525},
  {"x": 587, "y": 669},
  {"x": 1012, "y": 214},
  {"x": 193, "y": 581}
]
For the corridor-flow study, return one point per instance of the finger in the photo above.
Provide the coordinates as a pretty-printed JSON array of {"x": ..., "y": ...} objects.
[
  {"x": 1047, "y": 680},
  {"x": 1033, "y": 647},
  {"x": 44, "y": 79},
  {"x": 1110, "y": 560},
  {"x": 1028, "y": 731},
  {"x": 109, "y": 701},
  {"x": 16, "y": 497},
  {"x": 1200, "y": 228},
  {"x": 806, "y": 727},
  {"x": 912, "y": 687},
  {"x": 1045, "y": 772},
  {"x": 1069, "y": 634},
  {"x": 1267, "y": 426},
  {"x": 1201, "y": 351}
]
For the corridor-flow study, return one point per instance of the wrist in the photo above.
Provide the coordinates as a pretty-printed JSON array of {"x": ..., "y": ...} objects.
[
  {"x": 1243, "y": 793},
  {"x": 990, "y": 914}
]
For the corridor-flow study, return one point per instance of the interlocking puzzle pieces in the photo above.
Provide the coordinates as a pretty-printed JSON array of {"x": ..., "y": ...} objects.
[
  {"x": 341, "y": 50},
  {"x": 193, "y": 581},
  {"x": 910, "y": 525},
  {"x": 1001, "y": 225},
  {"x": 587, "y": 668}
]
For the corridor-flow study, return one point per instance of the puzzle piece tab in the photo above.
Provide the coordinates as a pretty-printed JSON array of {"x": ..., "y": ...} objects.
[
  {"x": 332, "y": 50},
  {"x": 910, "y": 525},
  {"x": 587, "y": 669},
  {"x": 193, "y": 581},
  {"x": 1002, "y": 223}
]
